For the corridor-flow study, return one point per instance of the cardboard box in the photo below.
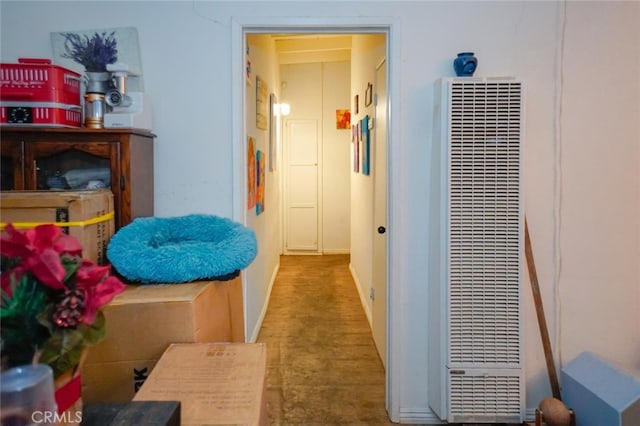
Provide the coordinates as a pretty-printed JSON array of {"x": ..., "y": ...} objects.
[
  {"x": 144, "y": 320},
  {"x": 215, "y": 383},
  {"x": 26, "y": 209},
  {"x": 157, "y": 413},
  {"x": 114, "y": 381}
]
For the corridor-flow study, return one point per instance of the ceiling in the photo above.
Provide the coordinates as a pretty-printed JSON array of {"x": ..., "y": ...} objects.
[{"x": 298, "y": 48}]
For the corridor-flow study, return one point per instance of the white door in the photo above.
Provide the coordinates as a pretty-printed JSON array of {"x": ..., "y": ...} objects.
[
  {"x": 379, "y": 294},
  {"x": 301, "y": 185}
]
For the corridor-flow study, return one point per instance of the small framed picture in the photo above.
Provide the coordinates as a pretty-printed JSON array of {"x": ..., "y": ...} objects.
[
  {"x": 343, "y": 119},
  {"x": 368, "y": 95}
]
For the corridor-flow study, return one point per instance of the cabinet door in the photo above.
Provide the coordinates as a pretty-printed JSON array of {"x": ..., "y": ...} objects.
[
  {"x": 72, "y": 165},
  {"x": 12, "y": 167}
]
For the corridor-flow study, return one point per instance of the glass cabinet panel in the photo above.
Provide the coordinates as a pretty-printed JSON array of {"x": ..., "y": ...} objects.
[
  {"x": 72, "y": 170},
  {"x": 60, "y": 166},
  {"x": 7, "y": 182},
  {"x": 12, "y": 171}
]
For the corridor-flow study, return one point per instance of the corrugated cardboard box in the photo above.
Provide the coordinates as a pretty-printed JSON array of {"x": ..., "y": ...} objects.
[
  {"x": 216, "y": 384},
  {"x": 144, "y": 320},
  {"x": 88, "y": 213}
]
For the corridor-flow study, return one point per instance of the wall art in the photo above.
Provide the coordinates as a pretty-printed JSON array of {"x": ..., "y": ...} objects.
[
  {"x": 366, "y": 146},
  {"x": 251, "y": 174},
  {"x": 343, "y": 119},
  {"x": 260, "y": 187},
  {"x": 262, "y": 104},
  {"x": 126, "y": 44},
  {"x": 248, "y": 67},
  {"x": 368, "y": 95}
]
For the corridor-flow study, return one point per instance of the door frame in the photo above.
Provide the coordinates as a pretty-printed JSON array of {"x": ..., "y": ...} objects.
[{"x": 240, "y": 26}]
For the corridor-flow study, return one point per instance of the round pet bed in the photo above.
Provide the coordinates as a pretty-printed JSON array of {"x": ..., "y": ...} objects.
[{"x": 181, "y": 249}]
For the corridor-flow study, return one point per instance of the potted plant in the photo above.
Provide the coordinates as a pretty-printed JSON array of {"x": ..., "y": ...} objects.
[
  {"x": 51, "y": 300},
  {"x": 94, "y": 53}
]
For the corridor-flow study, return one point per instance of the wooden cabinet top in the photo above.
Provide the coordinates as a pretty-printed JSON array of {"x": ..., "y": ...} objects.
[{"x": 75, "y": 130}]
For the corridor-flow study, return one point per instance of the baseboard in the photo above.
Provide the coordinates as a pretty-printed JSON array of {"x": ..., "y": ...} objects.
[
  {"x": 256, "y": 330},
  {"x": 426, "y": 416},
  {"x": 530, "y": 415},
  {"x": 315, "y": 252},
  {"x": 363, "y": 297},
  {"x": 301, "y": 253},
  {"x": 336, "y": 251},
  {"x": 422, "y": 416}
]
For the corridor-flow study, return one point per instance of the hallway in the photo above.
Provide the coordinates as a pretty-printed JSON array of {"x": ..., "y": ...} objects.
[{"x": 323, "y": 367}]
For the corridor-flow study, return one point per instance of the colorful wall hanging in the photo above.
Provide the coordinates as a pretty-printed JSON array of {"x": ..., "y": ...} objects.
[
  {"x": 251, "y": 174},
  {"x": 355, "y": 141},
  {"x": 260, "y": 193},
  {"x": 366, "y": 148}
]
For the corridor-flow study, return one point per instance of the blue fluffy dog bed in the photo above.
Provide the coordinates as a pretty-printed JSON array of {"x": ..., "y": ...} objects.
[{"x": 181, "y": 249}]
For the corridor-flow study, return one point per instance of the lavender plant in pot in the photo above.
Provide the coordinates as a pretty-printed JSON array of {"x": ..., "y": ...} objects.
[{"x": 94, "y": 53}]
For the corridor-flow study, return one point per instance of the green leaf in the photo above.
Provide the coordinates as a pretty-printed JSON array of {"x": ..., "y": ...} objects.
[
  {"x": 71, "y": 264},
  {"x": 96, "y": 332},
  {"x": 21, "y": 332},
  {"x": 27, "y": 328},
  {"x": 64, "y": 349}
]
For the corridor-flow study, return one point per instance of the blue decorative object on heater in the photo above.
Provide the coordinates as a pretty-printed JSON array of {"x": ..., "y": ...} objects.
[{"x": 465, "y": 64}]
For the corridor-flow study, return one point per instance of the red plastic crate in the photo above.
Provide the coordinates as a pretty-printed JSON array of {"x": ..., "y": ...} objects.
[
  {"x": 40, "y": 114},
  {"x": 37, "y": 80}
]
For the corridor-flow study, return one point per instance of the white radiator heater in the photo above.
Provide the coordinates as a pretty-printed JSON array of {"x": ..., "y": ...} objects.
[{"x": 476, "y": 369}]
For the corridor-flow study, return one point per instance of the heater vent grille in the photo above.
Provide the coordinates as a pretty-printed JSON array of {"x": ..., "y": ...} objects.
[
  {"x": 482, "y": 398},
  {"x": 476, "y": 368},
  {"x": 484, "y": 223}
]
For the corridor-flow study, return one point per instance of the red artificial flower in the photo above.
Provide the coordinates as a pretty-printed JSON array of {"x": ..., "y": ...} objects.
[
  {"x": 99, "y": 288},
  {"x": 39, "y": 251},
  {"x": 51, "y": 291}
]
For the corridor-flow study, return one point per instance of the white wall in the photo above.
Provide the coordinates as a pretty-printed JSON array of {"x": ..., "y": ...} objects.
[
  {"x": 366, "y": 53},
  {"x": 260, "y": 274},
  {"x": 582, "y": 153},
  {"x": 336, "y": 188},
  {"x": 315, "y": 91},
  {"x": 598, "y": 199}
]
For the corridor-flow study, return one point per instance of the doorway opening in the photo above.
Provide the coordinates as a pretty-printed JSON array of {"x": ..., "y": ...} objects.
[{"x": 243, "y": 114}]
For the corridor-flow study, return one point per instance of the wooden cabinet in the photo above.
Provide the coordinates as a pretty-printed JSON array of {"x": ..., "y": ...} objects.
[{"x": 46, "y": 158}]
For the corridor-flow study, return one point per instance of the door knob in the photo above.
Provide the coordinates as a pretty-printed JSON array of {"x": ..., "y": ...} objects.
[{"x": 381, "y": 229}]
